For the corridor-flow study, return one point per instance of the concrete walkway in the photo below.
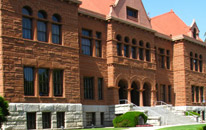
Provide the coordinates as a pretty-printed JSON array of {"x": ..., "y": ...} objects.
[{"x": 158, "y": 127}]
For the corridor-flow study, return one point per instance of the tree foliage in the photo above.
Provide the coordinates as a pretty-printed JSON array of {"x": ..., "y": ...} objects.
[{"x": 4, "y": 111}]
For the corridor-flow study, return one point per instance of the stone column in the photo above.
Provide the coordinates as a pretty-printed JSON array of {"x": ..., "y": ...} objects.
[
  {"x": 39, "y": 120},
  {"x": 129, "y": 95},
  {"x": 141, "y": 97}
]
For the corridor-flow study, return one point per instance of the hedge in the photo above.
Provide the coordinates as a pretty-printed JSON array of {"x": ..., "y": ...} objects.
[
  {"x": 190, "y": 113},
  {"x": 129, "y": 119},
  {"x": 4, "y": 112}
]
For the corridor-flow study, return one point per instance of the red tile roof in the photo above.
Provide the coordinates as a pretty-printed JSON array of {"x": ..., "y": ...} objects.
[
  {"x": 93, "y": 5},
  {"x": 169, "y": 24}
]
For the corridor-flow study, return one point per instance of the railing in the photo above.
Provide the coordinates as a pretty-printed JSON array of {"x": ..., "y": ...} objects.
[{"x": 161, "y": 103}]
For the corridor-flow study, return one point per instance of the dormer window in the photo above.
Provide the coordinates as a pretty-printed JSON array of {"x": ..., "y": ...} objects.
[
  {"x": 194, "y": 33},
  {"x": 132, "y": 14}
]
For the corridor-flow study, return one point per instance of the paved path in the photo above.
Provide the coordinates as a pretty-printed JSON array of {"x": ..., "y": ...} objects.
[{"x": 157, "y": 127}]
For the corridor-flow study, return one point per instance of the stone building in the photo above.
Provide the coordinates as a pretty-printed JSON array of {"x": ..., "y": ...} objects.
[{"x": 69, "y": 63}]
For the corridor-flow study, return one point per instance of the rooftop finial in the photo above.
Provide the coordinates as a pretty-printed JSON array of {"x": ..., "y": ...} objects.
[{"x": 171, "y": 11}]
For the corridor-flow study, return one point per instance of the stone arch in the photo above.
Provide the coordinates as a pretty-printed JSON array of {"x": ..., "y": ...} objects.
[
  {"x": 135, "y": 94},
  {"x": 147, "y": 94},
  {"x": 123, "y": 89}
]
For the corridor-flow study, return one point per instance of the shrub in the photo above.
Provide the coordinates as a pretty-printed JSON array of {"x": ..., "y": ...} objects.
[
  {"x": 190, "y": 113},
  {"x": 4, "y": 112},
  {"x": 129, "y": 119}
]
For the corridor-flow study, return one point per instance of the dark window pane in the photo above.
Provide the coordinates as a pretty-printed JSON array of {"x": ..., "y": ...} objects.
[
  {"x": 147, "y": 55},
  {"x": 132, "y": 12},
  {"x": 98, "y": 35},
  {"x": 86, "y": 46},
  {"x": 26, "y": 11},
  {"x": 202, "y": 93},
  {"x": 42, "y": 15},
  {"x": 126, "y": 50},
  {"x": 46, "y": 120},
  {"x": 169, "y": 93},
  {"x": 196, "y": 64},
  {"x": 98, "y": 49},
  {"x": 27, "y": 28},
  {"x": 119, "y": 49},
  {"x": 42, "y": 31},
  {"x": 88, "y": 88},
  {"x": 100, "y": 88},
  {"x": 87, "y": 33},
  {"x": 134, "y": 54},
  {"x": 200, "y": 65},
  {"x": 191, "y": 63},
  {"x": 31, "y": 120},
  {"x": 193, "y": 94},
  {"x": 28, "y": 81},
  {"x": 56, "y": 34},
  {"x": 58, "y": 82},
  {"x": 163, "y": 93},
  {"x": 102, "y": 118},
  {"x": 168, "y": 62},
  {"x": 56, "y": 18},
  {"x": 43, "y": 82},
  {"x": 141, "y": 55},
  {"x": 157, "y": 92},
  {"x": 90, "y": 119},
  {"x": 197, "y": 94},
  {"x": 60, "y": 119}
]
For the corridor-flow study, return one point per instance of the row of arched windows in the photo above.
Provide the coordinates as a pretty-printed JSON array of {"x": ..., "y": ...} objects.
[
  {"x": 42, "y": 26},
  {"x": 134, "y": 50},
  {"x": 196, "y": 62}
]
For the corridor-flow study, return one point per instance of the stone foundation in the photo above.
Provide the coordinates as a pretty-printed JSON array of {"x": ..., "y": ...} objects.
[{"x": 17, "y": 119}]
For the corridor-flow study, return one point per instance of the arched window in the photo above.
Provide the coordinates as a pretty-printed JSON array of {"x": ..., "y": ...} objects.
[
  {"x": 42, "y": 26},
  {"x": 126, "y": 39},
  {"x": 134, "y": 41},
  {"x": 141, "y": 50},
  {"x": 194, "y": 33},
  {"x": 27, "y": 22},
  {"x": 191, "y": 61},
  {"x": 56, "y": 29},
  {"x": 119, "y": 45},
  {"x": 200, "y": 63},
  {"x": 148, "y": 52}
]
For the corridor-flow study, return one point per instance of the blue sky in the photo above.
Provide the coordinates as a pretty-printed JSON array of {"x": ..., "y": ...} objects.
[{"x": 187, "y": 10}]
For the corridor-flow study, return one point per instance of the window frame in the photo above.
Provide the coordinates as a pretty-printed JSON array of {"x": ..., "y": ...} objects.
[
  {"x": 86, "y": 46},
  {"x": 58, "y": 82},
  {"x": 59, "y": 25},
  {"x": 31, "y": 120},
  {"x": 31, "y": 85},
  {"x": 46, "y": 120},
  {"x": 40, "y": 83},
  {"x": 28, "y": 17},
  {"x": 88, "y": 90},
  {"x": 100, "y": 88},
  {"x": 60, "y": 119},
  {"x": 132, "y": 14}
]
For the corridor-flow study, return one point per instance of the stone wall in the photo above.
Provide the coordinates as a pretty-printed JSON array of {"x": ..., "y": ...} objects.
[{"x": 17, "y": 119}]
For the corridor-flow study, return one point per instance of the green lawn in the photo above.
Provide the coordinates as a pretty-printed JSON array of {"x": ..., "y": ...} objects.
[
  {"x": 186, "y": 127},
  {"x": 104, "y": 129}
]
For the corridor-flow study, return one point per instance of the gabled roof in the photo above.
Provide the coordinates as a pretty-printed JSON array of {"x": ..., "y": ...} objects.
[
  {"x": 94, "y": 5},
  {"x": 169, "y": 24}
]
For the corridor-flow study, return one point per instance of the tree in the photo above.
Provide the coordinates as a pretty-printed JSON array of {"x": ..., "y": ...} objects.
[{"x": 4, "y": 111}]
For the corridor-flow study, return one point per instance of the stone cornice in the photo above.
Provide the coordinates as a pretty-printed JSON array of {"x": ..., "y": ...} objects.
[
  {"x": 74, "y": 1},
  {"x": 92, "y": 14}
]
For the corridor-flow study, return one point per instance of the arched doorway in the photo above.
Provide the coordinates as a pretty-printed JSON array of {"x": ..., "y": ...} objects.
[
  {"x": 147, "y": 94},
  {"x": 135, "y": 93},
  {"x": 122, "y": 90}
]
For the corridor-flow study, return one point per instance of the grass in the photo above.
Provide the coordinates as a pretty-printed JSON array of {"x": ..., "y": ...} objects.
[
  {"x": 186, "y": 127},
  {"x": 104, "y": 129}
]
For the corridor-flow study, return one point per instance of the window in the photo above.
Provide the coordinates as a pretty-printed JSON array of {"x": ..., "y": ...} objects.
[
  {"x": 56, "y": 29},
  {"x": 42, "y": 27},
  {"x": 102, "y": 118},
  {"x": 31, "y": 120},
  {"x": 197, "y": 94},
  {"x": 193, "y": 93},
  {"x": 126, "y": 50},
  {"x": 141, "y": 50},
  {"x": 27, "y": 23},
  {"x": 100, "y": 88},
  {"x": 191, "y": 61},
  {"x": 194, "y": 33},
  {"x": 157, "y": 94},
  {"x": 169, "y": 93},
  {"x": 58, "y": 82},
  {"x": 132, "y": 13},
  {"x": 43, "y": 82},
  {"x": 200, "y": 63},
  {"x": 60, "y": 119},
  {"x": 162, "y": 57},
  {"x": 168, "y": 59},
  {"x": 86, "y": 42},
  {"x": 148, "y": 52},
  {"x": 119, "y": 49},
  {"x": 134, "y": 41},
  {"x": 98, "y": 45},
  {"x": 88, "y": 87},
  {"x": 196, "y": 62},
  {"x": 46, "y": 120},
  {"x": 163, "y": 93},
  {"x": 202, "y": 93},
  {"x": 126, "y": 39},
  {"x": 134, "y": 53},
  {"x": 119, "y": 45},
  {"x": 28, "y": 81},
  {"x": 90, "y": 119}
]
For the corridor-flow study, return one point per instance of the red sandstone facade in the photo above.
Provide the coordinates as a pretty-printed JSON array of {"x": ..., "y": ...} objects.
[{"x": 157, "y": 66}]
